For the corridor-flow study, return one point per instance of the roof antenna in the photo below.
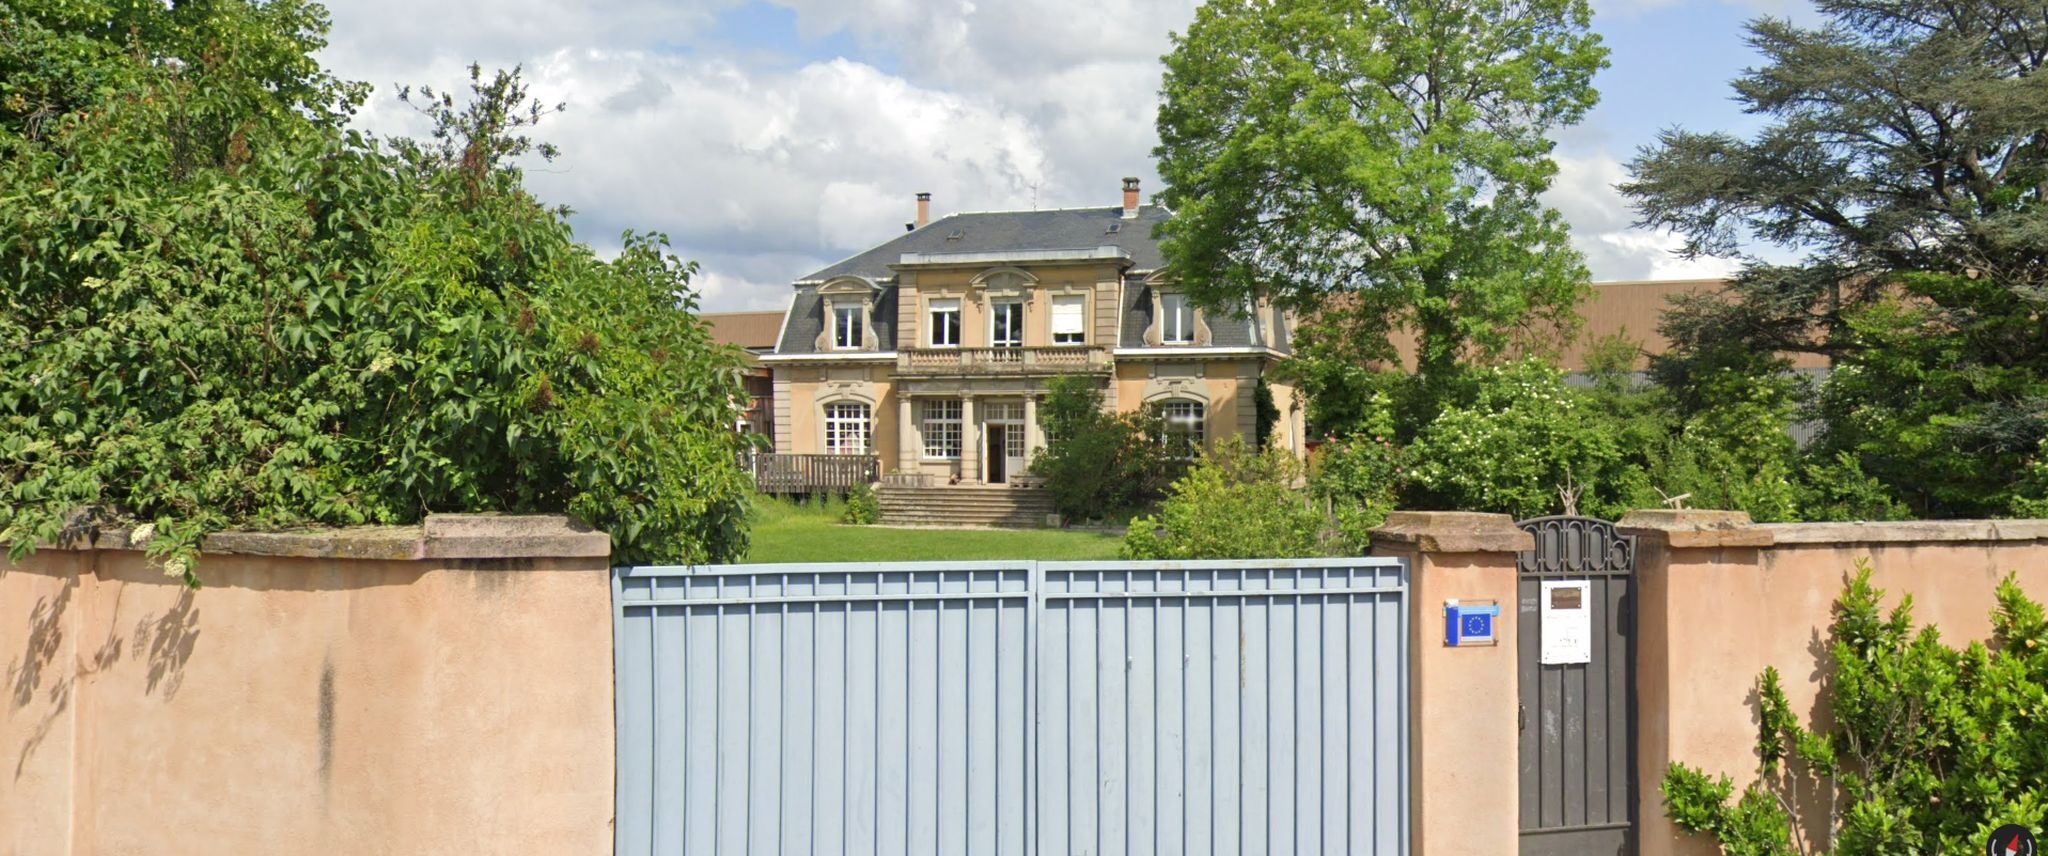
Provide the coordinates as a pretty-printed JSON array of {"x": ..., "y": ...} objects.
[{"x": 1034, "y": 196}]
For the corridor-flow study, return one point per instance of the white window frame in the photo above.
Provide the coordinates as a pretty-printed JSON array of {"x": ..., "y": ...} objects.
[
  {"x": 996, "y": 312},
  {"x": 1186, "y": 424},
  {"x": 1068, "y": 337},
  {"x": 1176, "y": 319},
  {"x": 841, "y": 314},
  {"x": 939, "y": 428},
  {"x": 846, "y": 420},
  {"x": 933, "y": 311}
]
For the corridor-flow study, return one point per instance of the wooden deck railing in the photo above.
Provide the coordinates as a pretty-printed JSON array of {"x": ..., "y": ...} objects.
[
  {"x": 986, "y": 361},
  {"x": 801, "y": 474}
]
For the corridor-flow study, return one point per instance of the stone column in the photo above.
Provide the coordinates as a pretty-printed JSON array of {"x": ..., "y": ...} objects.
[
  {"x": 1032, "y": 438},
  {"x": 1463, "y": 739},
  {"x": 909, "y": 440},
  {"x": 1694, "y": 665},
  {"x": 970, "y": 443}
]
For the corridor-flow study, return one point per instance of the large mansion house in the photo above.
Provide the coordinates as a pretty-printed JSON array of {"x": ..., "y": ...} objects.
[{"x": 931, "y": 351}]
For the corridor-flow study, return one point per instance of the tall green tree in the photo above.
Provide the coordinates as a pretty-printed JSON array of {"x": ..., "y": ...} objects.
[
  {"x": 221, "y": 306},
  {"x": 1378, "y": 167},
  {"x": 1905, "y": 163}
]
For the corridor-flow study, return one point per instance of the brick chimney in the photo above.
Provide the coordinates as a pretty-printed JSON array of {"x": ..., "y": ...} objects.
[
  {"x": 1130, "y": 197},
  {"x": 924, "y": 209}
]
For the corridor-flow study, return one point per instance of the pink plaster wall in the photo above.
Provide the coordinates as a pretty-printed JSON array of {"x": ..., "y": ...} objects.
[
  {"x": 1713, "y": 617},
  {"x": 305, "y": 706}
]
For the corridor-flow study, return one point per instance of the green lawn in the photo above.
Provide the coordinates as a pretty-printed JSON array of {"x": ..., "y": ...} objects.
[{"x": 786, "y": 532}]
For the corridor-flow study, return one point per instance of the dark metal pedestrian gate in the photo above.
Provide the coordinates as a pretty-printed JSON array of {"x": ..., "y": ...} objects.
[
  {"x": 1013, "y": 708},
  {"x": 1577, "y": 688}
]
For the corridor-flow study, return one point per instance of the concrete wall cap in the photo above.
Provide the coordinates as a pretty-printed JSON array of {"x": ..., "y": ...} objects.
[
  {"x": 1453, "y": 532},
  {"x": 440, "y": 536},
  {"x": 1908, "y": 531},
  {"x": 1688, "y": 527},
  {"x": 499, "y": 536}
]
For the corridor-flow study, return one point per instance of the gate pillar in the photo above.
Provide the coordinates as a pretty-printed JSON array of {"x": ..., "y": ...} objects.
[{"x": 1461, "y": 714}]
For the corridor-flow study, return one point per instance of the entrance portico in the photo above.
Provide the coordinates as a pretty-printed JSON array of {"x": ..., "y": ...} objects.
[{"x": 997, "y": 424}]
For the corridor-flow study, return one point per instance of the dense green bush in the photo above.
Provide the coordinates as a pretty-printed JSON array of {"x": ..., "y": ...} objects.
[
  {"x": 1356, "y": 481},
  {"x": 1929, "y": 750},
  {"x": 221, "y": 307},
  {"x": 862, "y": 507},
  {"x": 1520, "y": 438},
  {"x": 1235, "y": 503},
  {"x": 1098, "y": 466}
]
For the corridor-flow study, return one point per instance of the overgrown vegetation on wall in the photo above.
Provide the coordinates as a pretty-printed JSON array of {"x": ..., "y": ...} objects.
[
  {"x": 220, "y": 306},
  {"x": 1930, "y": 748}
]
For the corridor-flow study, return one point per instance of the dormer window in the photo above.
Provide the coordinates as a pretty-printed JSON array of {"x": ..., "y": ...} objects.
[
  {"x": 846, "y": 328},
  {"x": 1177, "y": 319},
  {"x": 945, "y": 323}
]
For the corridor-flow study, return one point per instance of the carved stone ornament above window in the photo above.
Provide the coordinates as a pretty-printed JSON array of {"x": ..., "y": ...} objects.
[
  {"x": 845, "y": 292},
  {"x": 1004, "y": 283}
]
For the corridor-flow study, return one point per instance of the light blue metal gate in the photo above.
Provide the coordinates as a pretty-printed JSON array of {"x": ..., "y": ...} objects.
[{"x": 1013, "y": 707}]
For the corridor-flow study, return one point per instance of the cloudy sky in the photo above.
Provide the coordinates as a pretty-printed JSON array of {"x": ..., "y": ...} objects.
[{"x": 768, "y": 139}]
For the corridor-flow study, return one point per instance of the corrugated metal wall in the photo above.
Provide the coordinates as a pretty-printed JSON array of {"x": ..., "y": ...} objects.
[{"x": 1200, "y": 707}]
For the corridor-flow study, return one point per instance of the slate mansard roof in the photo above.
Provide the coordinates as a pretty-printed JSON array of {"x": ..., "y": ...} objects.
[
  {"x": 1012, "y": 231},
  {"x": 807, "y": 321},
  {"x": 997, "y": 233}
]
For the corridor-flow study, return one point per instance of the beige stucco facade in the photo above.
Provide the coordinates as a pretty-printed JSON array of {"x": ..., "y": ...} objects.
[
  {"x": 995, "y": 385},
  {"x": 437, "y": 689}
]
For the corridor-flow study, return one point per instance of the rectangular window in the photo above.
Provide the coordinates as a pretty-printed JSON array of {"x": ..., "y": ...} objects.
[
  {"x": 1177, "y": 321},
  {"x": 846, "y": 327},
  {"x": 1068, "y": 326},
  {"x": 1006, "y": 325},
  {"x": 941, "y": 425},
  {"x": 847, "y": 429},
  {"x": 945, "y": 324}
]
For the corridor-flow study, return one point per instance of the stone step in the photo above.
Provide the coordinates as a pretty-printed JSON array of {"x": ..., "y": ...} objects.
[{"x": 965, "y": 505}]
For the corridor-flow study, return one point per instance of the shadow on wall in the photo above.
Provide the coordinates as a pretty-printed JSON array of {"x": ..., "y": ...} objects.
[{"x": 166, "y": 639}]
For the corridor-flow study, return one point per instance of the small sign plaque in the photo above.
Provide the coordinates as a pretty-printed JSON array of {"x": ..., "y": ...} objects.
[
  {"x": 1567, "y": 620},
  {"x": 1469, "y": 622}
]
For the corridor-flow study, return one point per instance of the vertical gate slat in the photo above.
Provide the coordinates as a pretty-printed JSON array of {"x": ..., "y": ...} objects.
[
  {"x": 1142, "y": 723},
  {"x": 633, "y": 658},
  {"x": 1529, "y": 718},
  {"x": 1572, "y": 714},
  {"x": 1598, "y": 676},
  {"x": 1621, "y": 667},
  {"x": 1334, "y": 780},
  {"x": 1112, "y": 806}
]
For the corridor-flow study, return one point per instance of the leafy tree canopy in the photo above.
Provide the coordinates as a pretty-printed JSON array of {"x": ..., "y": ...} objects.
[
  {"x": 220, "y": 306},
  {"x": 1389, "y": 154},
  {"x": 1906, "y": 160}
]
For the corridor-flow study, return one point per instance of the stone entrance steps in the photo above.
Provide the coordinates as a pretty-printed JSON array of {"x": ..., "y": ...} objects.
[{"x": 965, "y": 505}]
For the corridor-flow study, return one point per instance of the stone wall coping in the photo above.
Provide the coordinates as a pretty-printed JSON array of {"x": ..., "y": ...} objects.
[
  {"x": 1907, "y": 531},
  {"x": 440, "y": 536},
  {"x": 1688, "y": 527},
  {"x": 1453, "y": 532}
]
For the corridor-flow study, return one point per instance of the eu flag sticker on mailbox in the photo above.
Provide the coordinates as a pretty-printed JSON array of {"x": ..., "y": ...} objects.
[{"x": 1469, "y": 622}]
